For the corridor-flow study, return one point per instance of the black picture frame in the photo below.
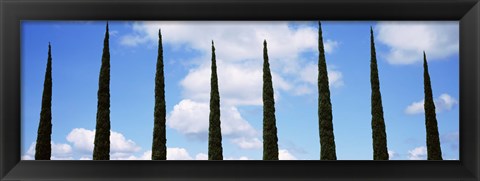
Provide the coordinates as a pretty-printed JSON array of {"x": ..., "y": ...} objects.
[{"x": 12, "y": 12}]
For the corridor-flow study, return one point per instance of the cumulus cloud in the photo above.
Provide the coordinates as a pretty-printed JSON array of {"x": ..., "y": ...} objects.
[
  {"x": 407, "y": 40},
  {"x": 201, "y": 156},
  {"x": 392, "y": 154},
  {"x": 178, "y": 154},
  {"x": 443, "y": 103},
  {"x": 418, "y": 153},
  {"x": 235, "y": 38},
  {"x": 247, "y": 143},
  {"x": 191, "y": 118},
  {"x": 60, "y": 151},
  {"x": 239, "y": 53},
  {"x": 238, "y": 158},
  {"x": 309, "y": 74},
  {"x": 284, "y": 154},
  {"x": 82, "y": 139}
]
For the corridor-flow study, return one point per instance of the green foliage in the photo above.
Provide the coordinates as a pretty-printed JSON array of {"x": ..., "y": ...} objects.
[
  {"x": 159, "y": 147},
  {"x": 270, "y": 139},
  {"x": 434, "y": 151},
  {"x": 380, "y": 151},
  {"x": 327, "y": 138},
  {"x": 101, "y": 150},
  {"x": 214, "y": 130},
  {"x": 43, "y": 147}
]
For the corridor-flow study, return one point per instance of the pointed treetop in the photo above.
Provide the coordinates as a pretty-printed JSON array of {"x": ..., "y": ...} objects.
[
  {"x": 212, "y": 43},
  {"x": 264, "y": 42},
  {"x": 107, "y": 25},
  {"x": 159, "y": 32},
  {"x": 319, "y": 26}
]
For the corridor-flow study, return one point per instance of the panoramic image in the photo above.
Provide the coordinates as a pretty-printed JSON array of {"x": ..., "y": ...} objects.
[{"x": 240, "y": 90}]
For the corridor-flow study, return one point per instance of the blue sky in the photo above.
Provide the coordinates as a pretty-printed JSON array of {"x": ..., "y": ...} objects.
[{"x": 77, "y": 50}]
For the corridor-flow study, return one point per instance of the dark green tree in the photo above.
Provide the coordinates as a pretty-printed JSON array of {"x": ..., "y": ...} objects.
[
  {"x": 159, "y": 147},
  {"x": 270, "y": 139},
  {"x": 379, "y": 135},
  {"x": 43, "y": 148},
  {"x": 214, "y": 130},
  {"x": 327, "y": 139},
  {"x": 101, "y": 150},
  {"x": 434, "y": 151}
]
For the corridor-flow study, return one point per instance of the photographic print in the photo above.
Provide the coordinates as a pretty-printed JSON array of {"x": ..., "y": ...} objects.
[{"x": 240, "y": 90}]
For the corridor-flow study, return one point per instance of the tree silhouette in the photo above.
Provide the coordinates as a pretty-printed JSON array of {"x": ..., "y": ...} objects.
[
  {"x": 43, "y": 148},
  {"x": 159, "y": 147},
  {"x": 327, "y": 138},
  {"x": 379, "y": 135},
  {"x": 270, "y": 139},
  {"x": 214, "y": 130},
  {"x": 101, "y": 149},
  {"x": 434, "y": 151}
]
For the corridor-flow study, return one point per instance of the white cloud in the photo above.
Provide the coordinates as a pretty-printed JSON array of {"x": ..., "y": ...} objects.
[
  {"x": 443, "y": 103},
  {"x": 59, "y": 151},
  {"x": 407, "y": 40},
  {"x": 201, "y": 156},
  {"x": 178, "y": 154},
  {"x": 85, "y": 158},
  {"x": 235, "y": 38},
  {"x": 284, "y": 154},
  {"x": 418, "y": 153},
  {"x": 232, "y": 77},
  {"x": 238, "y": 158},
  {"x": 330, "y": 45},
  {"x": 309, "y": 75},
  {"x": 82, "y": 139},
  {"x": 247, "y": 143},
  {"x": 239, "y": 55},
  {"x": 415, "y": 108},
  {"x": 392, "y": 154},
  {"x": 191, "y": 118},
  {"x": 118, "y": 143}
]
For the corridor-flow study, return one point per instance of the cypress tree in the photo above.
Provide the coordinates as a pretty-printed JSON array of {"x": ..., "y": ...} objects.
[
  {"x": 214, "y": 130},
  {"x": 43, "y": 147},
  {"x": 159, "y": 147},
  {"x": 270, "y": 139},
  {"x": 101, "y": 150},
  {"x": 434, "y": 151},
  {"x": 327, "y": 139},
  {"x": 379, "y": 135}
]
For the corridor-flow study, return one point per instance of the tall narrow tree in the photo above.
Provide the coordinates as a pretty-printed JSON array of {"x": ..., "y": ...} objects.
[
  {"x": 434, "y": 151},
  {"x": 270, "y": 139},
  {"x": 327, "y": 139},
  {"x": 43, "y": 148},
  {"x": 379, "y": 135},
  {"x": 214, "y": 130},
  {"x": 101, "y": 150},
  {"x": 159, "y": 147}
]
